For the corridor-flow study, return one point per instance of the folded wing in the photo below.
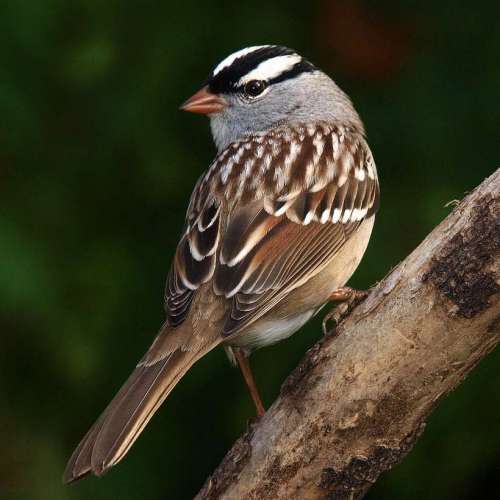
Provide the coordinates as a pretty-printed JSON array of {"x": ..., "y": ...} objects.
[{"x": 269, "y": 214}]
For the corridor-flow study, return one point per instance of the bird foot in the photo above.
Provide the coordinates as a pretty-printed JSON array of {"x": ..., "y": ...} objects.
[{"x": 348, "y": 297}]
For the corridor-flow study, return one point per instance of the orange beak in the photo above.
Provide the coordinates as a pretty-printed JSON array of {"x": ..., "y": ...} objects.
[{"x": 204, "y": 102}]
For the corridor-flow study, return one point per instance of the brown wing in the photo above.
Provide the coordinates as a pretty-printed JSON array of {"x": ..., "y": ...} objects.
[
  {"x": 195, "y": 257},
  {"x": 270, "y": 213}
]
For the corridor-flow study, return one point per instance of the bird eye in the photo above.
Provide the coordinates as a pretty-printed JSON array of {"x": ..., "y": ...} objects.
[{"x": 253, "y": 88}]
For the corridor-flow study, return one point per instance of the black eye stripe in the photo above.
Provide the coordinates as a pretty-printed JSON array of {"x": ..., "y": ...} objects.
[{"x": 299, "y": 68}]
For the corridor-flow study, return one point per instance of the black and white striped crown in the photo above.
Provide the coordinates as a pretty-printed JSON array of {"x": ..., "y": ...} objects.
[{"x": 272, "y": 63}]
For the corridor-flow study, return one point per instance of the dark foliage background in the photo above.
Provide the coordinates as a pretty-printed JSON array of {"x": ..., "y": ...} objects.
[{"x": 96, "y": 166}]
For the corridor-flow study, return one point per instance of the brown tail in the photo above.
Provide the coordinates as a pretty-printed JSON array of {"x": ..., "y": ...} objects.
[{"x": 116, "y": 430}]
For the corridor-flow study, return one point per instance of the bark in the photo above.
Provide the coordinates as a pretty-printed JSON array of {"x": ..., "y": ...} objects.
[{"x": 358, "y": 401}]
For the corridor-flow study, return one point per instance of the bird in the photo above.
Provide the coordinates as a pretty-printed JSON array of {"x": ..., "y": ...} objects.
[{"x": 274, "y": 229}]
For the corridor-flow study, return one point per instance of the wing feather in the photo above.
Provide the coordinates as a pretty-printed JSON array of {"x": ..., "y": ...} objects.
[{"x": 271, "y": 211}]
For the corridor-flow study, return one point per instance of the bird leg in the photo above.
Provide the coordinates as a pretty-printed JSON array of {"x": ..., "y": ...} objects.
[
  {"x": 347, "y": 297},
  {"x": 248, "y": 376}
]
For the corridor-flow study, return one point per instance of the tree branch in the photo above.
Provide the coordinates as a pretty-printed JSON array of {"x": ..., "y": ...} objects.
[{"x": 356, "y": 404}]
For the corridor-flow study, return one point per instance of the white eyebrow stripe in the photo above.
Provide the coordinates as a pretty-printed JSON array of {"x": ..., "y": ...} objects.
[
  {"x": 231, "y": 58},
  {"x": 271, "y": 68}
]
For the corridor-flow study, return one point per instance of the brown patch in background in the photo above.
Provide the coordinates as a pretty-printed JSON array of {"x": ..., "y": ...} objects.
[{"x": 365, "y": 44}]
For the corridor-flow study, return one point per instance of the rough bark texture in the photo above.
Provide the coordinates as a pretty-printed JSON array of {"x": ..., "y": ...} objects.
[{"x": 356, "y": 404}]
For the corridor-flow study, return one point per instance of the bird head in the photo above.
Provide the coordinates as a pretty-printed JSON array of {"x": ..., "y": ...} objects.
[{"x": 261, "y": 87}]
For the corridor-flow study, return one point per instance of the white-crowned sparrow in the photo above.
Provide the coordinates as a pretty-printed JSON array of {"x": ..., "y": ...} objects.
[{"x": 275, "y": 227}]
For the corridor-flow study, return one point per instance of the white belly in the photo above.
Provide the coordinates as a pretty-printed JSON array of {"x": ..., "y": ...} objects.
[{"x": 270, "y": 332}]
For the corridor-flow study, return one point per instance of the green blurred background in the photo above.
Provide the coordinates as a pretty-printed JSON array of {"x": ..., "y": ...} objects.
[{"x": 96, "y": 167}]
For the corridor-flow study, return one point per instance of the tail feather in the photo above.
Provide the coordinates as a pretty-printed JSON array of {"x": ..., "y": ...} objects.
[
  {"x": 80, "y": 463},
  {"x": 116, "y": 430}
]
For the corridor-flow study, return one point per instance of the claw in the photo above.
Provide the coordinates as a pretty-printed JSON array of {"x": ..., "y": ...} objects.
[
  {"x": 335, "y": 315},
  {"x": 347, "y": 297}
]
